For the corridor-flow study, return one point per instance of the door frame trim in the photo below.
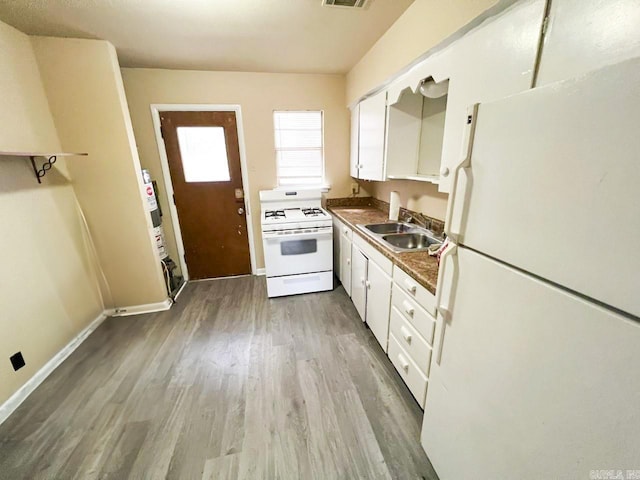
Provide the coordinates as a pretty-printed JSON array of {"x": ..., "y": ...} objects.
[{"x": 156, "y": 109}]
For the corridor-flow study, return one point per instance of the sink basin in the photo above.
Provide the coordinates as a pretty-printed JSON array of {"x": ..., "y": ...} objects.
[
  {"x": 410, "y": 241},
  {"x": 391, "y": 227},
  {"x": 400, "y": 237}
]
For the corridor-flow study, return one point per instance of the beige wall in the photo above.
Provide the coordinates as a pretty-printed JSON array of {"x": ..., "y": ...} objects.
[
  {"x": 423, "y": 26},
  {"x": 420, "y": 197},
  {"x": 48, "y": 291},
  {"x": 84, "y": 86},
  {"x": 258, "y": 94}
]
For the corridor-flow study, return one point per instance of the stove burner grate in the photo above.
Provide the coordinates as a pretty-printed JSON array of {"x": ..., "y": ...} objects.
[
  {"x": 312, "y": 212},
  {"x": 274, "y": 214}
]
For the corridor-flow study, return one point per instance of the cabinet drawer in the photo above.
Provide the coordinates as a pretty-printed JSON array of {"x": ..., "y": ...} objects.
[
  {"x": 419, "y": 318},
  {"x": 424, "y": 297},
  {"x": 373, "y": 254},
  {"x": 409, "y": 338},
  {"x": 408, "y": 370}
]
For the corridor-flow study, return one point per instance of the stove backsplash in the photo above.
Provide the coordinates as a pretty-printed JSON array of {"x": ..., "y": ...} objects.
[{"x": 430, "y": 223}]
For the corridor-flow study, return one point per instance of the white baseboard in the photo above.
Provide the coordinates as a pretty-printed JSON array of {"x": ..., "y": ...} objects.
[
  {"x": 8, "y": 407},
  {"x": 184, "y": 284},
  {"x": 139, "y": 309},
  {"x": 261, "y": 271}
]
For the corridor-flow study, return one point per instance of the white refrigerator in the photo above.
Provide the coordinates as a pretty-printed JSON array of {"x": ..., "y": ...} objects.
[{"x": 536, "y": 365}]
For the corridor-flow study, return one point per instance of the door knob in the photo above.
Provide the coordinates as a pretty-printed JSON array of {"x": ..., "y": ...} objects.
[{"x": 240, "y": 211}]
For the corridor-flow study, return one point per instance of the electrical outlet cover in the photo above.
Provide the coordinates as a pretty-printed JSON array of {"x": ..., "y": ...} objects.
[{"x": 17, "y": 361}]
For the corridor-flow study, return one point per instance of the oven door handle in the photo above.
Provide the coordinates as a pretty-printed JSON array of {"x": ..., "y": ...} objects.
[{"x": 294, "y": 236}]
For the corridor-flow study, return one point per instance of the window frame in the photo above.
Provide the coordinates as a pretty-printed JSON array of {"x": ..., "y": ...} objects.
[{"x": 323, "y": 184}]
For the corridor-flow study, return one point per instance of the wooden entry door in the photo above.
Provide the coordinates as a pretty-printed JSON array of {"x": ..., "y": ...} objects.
[{"x": 204, "y": 162}]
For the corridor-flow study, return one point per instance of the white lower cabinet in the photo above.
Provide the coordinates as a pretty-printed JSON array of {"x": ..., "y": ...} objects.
[
  {"x": 415, "y": 378},
  {"x": 378, "y": 302},
  {"x": 374, "y": 277},
  {"x": 345, "y": 264},
  {"x": 410, "y": 340},
  {"x": 412, "y": 327},
  {"x": 342, "y": 253},
  {"x": 396, "y": 308},
  {"x": 359, "y": 280}
]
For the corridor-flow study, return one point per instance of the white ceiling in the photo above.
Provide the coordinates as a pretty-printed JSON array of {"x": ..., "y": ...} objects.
[{"x": 240, "y": 35}]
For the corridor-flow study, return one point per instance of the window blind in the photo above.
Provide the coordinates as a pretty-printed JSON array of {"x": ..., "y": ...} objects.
[{"x": 299, "y": 148}]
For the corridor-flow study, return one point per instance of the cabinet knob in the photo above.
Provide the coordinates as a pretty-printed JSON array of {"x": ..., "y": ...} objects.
[
  {"x": 412, "y": 287},
  {"x": 405, "y": 334},
  {"x": 348, "y": 261},
  {"x": 444, "y": 171},
  {"x": 408, "y": 308},
  {"x": 403, "y": 363},
  {"x": 368, "y": 284}
]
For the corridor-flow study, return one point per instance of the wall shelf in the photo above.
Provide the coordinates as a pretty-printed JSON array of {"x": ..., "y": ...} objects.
[{"x": 50, "y": 159}]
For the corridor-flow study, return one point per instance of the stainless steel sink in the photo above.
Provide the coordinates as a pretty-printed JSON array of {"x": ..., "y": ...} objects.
[
  {"x": 410, "y": 241},
  {"x": 400, "y": 237},
  {"x": 391, "y": 227}
]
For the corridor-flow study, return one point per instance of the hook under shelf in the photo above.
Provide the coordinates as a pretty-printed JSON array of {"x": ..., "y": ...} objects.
[{"x": 51, "y": 158}]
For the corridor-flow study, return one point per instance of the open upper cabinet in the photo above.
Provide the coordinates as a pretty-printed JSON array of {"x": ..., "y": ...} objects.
[
  {"x": 416, "y": 112},
  {"x": 422, "y": 138}
]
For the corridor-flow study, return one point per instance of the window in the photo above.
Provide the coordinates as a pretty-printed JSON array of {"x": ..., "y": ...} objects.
[
  {"x": 299, "y": 148},
  {"x": 203, "y": 151}
]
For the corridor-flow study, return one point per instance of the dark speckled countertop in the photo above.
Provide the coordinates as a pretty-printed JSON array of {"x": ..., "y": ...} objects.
[{"x": 422, "y": 267}]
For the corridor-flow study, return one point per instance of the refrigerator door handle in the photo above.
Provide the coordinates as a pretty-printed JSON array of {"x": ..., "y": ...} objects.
[
  {"x": 467, "y": 145},
  {"x": 443, "y": 311}
]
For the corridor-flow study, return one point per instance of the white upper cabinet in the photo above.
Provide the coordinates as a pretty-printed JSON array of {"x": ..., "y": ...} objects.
[
  {"x": 415, "y": 121},
  {"x": 493, "y": 61},
  {"x": 584, "y": 35},
  {"x": 355, "y": 119},
  {"x": 371, "y": 136}
]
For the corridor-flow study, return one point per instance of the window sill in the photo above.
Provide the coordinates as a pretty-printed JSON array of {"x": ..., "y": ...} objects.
[{"x": 322, "y": 188}]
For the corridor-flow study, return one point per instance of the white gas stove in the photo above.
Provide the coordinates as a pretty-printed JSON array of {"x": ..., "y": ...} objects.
[{"x": 298, "y": 244}]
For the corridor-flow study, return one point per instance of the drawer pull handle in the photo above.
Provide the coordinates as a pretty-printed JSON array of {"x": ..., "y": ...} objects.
[
  {"x": 403, "y": 363},
  {"x": 412, "y": 287},
  {"x": 408, "y": 308},
  {"x": 406, "y": 334}
]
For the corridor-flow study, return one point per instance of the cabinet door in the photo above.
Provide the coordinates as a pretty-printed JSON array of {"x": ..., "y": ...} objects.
[
  {"x": 345, "y": 263},
  {"x": 532, "y": 383},
  {"x": 371, "y": 137},
  {"x": 491, "y": 62},
  {"x": 337, "y": 256},
  {"x": 378, "y": 303},
  {"x": 358, "y": 283},
  {"x": 584, "y": 35},
  {"x": 355, "y": 135}
]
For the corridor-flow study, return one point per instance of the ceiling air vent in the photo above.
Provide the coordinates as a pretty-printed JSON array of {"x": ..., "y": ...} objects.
[{"x": 345, "y": 3}]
